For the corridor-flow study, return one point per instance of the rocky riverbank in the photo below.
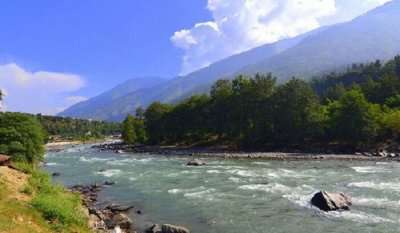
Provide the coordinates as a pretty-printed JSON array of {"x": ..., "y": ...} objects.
[
  {"x": 230, "y": 154},
  {"x": 111, "y": 218}
]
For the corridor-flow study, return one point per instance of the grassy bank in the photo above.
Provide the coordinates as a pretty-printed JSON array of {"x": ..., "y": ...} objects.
[{"x": 31, "y": 203}]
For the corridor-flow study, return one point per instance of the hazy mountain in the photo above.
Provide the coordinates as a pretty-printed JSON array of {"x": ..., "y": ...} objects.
[
  {"x": 98, "y": 107},
  {"x": 374, "y": 35},
  {"x": 109, "y": 106}
]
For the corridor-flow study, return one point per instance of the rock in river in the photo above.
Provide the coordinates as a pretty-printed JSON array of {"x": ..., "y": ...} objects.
[
  {"x": 331, "y": 201},
  {"x": 196, "y": 162},
  {"x": 167, "y": 228}
]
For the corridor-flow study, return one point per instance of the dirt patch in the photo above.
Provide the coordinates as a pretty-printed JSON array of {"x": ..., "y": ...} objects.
[{"x": 16, "y": 182}]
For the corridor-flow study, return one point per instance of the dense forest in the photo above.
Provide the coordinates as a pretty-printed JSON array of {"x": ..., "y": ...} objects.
[
  {"x": 356, "y": 109},
  {"x": 70, "y": 128}
]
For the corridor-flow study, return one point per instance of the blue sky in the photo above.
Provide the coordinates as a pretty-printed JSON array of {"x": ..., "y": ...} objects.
[{"x": 56, "y": 53}]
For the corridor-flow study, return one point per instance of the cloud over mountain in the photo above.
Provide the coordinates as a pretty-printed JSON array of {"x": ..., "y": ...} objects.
[
  {"x": 41, "y": 91},
  {"x": 239, "y": 25}
]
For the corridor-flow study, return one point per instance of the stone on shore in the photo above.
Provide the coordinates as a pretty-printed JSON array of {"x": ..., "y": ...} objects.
[
  {"x": 154, "y": 229},
  {"x": 331, "y": 201},
  {"x": 5, "y": 160},
  {"x": 196, "y": 162},
  {"x": 119, "y": 208},
  {"x": 123, "y": 221}
]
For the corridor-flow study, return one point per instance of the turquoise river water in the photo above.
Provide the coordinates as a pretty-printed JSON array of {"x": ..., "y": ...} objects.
[{"x": 239, "y": 196}]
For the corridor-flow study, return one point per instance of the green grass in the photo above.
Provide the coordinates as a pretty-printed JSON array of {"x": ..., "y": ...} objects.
[
  {"x": 51, "y": 208},
  {"x": 19, "y": 217},
  {"x": 58, "y": 206}
]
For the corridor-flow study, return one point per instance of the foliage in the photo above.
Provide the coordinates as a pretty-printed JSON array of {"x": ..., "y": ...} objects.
[
  {"x": 353, "y": 120},
  {"x": 77, "y": 129},
  {"x": 155, "y": 121},
  {"x": 56, "y": 205},
  {"x": 21, "y": 137},
  {"x": 133, "y": 130},
  {"x": 391, "y": 123},
  {"x": 356, "y": 108}
]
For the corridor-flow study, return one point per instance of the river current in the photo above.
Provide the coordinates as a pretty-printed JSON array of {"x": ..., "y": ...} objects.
[{"x": 239, "y": 196}]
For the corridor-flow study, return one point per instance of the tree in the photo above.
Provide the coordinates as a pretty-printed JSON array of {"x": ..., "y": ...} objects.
[
  {"x": 128, "y": 130},
  {"x": 21, "y": 136},
  {"x": 297, "y": 113},
  {"x": 391, "y": 123},
  {"x": 1, "y": 100},
  {"x": 353, "y": 120},
  {"x": 155, "y": 121}
]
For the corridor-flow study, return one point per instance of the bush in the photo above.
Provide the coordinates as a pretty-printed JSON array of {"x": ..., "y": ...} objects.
[
  {"x": 59, "y": 207},
  {"x": 21, "y": 137}
]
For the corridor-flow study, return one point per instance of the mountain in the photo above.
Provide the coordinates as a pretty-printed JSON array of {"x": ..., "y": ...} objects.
[
  {"x": 98, "y": 107},
  {"x": 103, "y": 107},
  {"x": 374, "y": 35}
]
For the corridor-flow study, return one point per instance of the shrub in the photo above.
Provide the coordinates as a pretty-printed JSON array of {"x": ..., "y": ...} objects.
[
  {"x": 21, "y": 137},
  {"x": 59, "y": 207}
]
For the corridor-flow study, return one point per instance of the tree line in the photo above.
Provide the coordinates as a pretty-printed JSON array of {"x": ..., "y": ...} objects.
[
  {"x": 356, "y": 109},
  {"x": 77, "y": 129}
]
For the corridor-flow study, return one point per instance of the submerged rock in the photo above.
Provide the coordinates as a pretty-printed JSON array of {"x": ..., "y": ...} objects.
[
  {"x": 109, "y": 183},
  {"x": 54, "y": 174},
  {"x": 119, "y": 208},
  {"x": 331, "y": 201},
  {"x": 196, "y": 162},
  {"x": 167, "y": 228}
]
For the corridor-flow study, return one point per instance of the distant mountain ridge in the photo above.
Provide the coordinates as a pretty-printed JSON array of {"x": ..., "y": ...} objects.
[
  {"x": 98, "y": 106},
  {"x": 374, "y": 35}
]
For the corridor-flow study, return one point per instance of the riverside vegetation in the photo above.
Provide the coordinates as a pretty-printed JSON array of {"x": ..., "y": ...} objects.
[
  {"x": 355, "y": 110},
  {"x": 45, "y": 207}
]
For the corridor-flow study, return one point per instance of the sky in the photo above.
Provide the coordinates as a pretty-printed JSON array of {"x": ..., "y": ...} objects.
[{"x": 54, "y": 54}]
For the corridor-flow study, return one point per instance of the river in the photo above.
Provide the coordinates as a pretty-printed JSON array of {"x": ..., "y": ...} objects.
[{"x": 238, "y": 196}]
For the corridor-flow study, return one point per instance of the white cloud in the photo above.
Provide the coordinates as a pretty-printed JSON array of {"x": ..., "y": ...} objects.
[
  {"x": 239, "y": 25},
  {"x": 38, "y": 92}
]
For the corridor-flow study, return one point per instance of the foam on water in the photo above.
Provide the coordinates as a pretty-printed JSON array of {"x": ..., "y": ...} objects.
[
  {"x": 378, "y": 186},
  {"x": 92, "y": 159},
  {"x": 370, "y": 169},
  {"x": 271, "y": 188},
  {"x": 261, "y": 163},
  {"x": 51, "y": 164},
  {"x": 213, "y": 171},
  {"x": 177, "y": 191},
  {"x": 234, "y": 179},
  {"x": 205, "y": 194},
  {"x": 110, "y": 172},
  {"x": 376, "y": 202},
  {"x": 358, "y": 216}
]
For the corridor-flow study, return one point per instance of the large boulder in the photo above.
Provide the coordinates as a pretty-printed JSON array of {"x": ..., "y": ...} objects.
[
  {"x": 196, "y": 162},
  {"x": 167, "y": 228},
  {"x": 331, "y": 201}
]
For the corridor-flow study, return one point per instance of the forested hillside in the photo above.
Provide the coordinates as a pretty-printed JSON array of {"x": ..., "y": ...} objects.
[
  {"x": 357, "y": 109},
  {"x": 374, "y": 35}
]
